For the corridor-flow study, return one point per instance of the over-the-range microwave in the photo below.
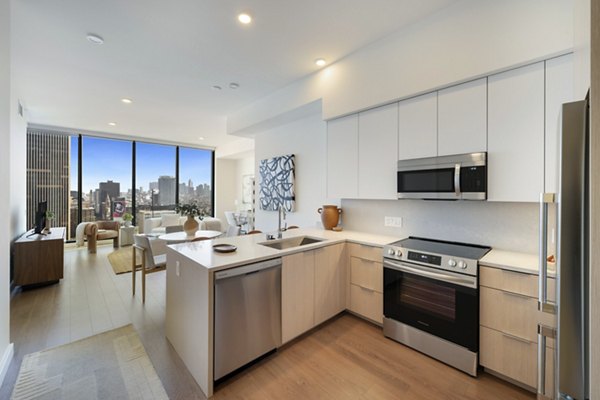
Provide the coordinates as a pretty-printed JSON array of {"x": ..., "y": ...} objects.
[{"x": 455, "y": 177}]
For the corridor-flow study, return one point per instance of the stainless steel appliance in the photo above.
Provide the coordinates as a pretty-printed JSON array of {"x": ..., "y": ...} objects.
[
  {"x": 431, "y": 298},
  {"x": 457, "y": 177},
  {"x": 247, "y": 314},
  {"x": 571, "y": 375}
]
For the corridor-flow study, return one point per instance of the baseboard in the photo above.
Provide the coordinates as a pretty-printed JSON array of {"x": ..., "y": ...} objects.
[{"x": 5, "y": 362}]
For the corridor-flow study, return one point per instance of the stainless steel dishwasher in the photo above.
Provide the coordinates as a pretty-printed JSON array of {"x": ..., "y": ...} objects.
[{"x": 247, "y": 314}]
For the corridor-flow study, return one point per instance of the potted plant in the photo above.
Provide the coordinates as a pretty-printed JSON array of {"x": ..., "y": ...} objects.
[
  {"x": 127, "y": 218},
  {"x": 49, "y": 217},
  {"x": 190, "y": 210}
]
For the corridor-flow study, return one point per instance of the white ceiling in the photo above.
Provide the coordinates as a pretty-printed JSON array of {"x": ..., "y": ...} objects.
[{"x": 166, "y": 55}]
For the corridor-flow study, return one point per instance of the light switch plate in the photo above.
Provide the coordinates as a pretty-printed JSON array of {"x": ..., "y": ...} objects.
[
  {"x": 177, "y": 268},
  {"x": 394, "y": 222}
]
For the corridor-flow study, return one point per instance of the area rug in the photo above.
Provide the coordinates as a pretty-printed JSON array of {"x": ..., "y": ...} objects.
[
  {"x": 120, "y": 260},
  {"x": 110, "y": 365}
]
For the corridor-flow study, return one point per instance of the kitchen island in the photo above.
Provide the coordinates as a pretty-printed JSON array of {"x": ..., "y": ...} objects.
[{"x": 191, "y": 269}]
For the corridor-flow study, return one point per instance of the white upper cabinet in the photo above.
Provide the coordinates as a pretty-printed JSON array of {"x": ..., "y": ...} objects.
[
  {"x": 342, "y": 157},
  {"x": 417, "y": 123},
  {"x": 462, "y": 118},
  {"x": 378, "y": 152},
  {"x": 516, "y": 134},
  {"x": 559, "y": 90}
]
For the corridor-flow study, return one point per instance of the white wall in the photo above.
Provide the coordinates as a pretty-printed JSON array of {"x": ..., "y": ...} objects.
[
  {"x": 507, "y": 226},
  {"x": 469, "y": 39},
  {"x": 582, "y": 54},
  {"x": 305, "y": 138},
  {"x": 244, "y": 166},
  {"x": 225, "y": 182},
  {"x": 5, "y": 234}
]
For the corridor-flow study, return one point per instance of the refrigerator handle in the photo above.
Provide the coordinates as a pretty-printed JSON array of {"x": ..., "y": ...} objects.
[
  {"x": 543, "y": 304},
  {"x": 543, "y": 333}
]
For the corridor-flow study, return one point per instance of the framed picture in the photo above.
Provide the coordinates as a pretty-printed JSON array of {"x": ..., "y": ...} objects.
[
  {"x": 247, "y": 189},
  {"x": 277, "y": 183}
]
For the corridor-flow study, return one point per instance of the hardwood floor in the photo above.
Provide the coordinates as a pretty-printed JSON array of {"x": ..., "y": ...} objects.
[{"x": 346, "y": 358}]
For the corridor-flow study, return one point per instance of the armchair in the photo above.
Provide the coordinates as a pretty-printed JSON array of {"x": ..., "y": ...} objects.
[{"x": 101, "y": 230}]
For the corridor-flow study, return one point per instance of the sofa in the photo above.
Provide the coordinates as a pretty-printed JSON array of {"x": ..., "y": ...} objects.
[
  {"x": 101, "y": 230},
  {"x": 157, "y": 225}
]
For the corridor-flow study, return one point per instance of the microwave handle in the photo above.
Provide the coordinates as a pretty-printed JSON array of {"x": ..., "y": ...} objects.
[{"x": 457, "y": 179}]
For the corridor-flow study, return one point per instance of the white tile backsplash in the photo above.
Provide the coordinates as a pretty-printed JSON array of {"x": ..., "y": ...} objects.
[{"x": 507, "y": 226}]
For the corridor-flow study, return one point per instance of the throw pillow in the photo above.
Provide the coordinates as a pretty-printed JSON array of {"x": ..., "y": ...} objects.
[{"x": 170, "y": 220}]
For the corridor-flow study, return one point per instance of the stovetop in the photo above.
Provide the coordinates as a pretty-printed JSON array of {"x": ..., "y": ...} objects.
[{"x": 457, "y": 257}]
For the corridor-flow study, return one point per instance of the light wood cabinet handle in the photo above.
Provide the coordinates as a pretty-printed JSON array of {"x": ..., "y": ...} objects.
[
  {"x": 366, "y": 288},
  {"x": 520, "y": 295},
  {"x": 517, "y": 338}
]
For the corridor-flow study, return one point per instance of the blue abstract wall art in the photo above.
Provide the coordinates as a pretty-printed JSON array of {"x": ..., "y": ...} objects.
[{"x": 277, "y": 183}]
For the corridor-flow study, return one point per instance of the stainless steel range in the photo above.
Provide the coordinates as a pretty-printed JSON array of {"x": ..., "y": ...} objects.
[{"x": 431, "y": 298}]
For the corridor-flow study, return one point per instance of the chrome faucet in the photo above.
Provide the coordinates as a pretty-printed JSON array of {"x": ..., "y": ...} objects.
[{"x": 280, "y": 229}]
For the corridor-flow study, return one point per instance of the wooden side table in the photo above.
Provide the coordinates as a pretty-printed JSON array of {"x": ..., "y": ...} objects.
[
  {"x": 126, "y": 235},
  {"x": 39, "y": 259}
]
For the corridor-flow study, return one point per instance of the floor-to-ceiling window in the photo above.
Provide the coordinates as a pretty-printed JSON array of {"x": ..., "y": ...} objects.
[
  {"x": 89, "y": 178},
  {"x": 106, "y": 174},
  {"x": 155, "y": 177},
  {"x": 195, "y": 177}
]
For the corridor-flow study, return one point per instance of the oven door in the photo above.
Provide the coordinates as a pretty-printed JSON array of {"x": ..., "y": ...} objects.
[{"x": 441, "y": 303}]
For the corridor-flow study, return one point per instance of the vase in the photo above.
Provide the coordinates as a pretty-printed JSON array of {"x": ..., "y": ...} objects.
[
  {"x": 47, "y": 227},
  {"x": 127, "y": 223},
  {"x": 330, "y": 215},
  {"x": 190, "y": 226}
]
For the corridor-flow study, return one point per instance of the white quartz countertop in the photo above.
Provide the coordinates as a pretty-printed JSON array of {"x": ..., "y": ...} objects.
[
  {"x": 515, "y": 261},
  {"x": 249, "y": 250}
]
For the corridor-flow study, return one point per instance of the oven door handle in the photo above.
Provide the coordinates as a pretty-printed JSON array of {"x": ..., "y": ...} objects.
[{"x": 457, "y": 280}]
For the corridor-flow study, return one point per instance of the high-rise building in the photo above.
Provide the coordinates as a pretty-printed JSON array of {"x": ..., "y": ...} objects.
[
  {"x": 48, "y": 175},
  {"x": 166, "y": 190},
  {"x": 153, "y": 186}
]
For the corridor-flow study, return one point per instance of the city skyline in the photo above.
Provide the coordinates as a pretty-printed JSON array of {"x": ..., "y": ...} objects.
[{"x": 100, "y": 163}]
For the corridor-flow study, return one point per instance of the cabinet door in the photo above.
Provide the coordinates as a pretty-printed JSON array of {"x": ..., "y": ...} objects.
[
  {"x": 516, "y": 134},
  {"x": 330, "y": 280},
  {"x": 342, "y": 157},
  {"x": 559, "y": 90},
  {"x": 297, "y": 294},
  {"x": 462, "y": 118},
  {"x": 417, "y": 127},
  {"x": 378, "y": 153}
]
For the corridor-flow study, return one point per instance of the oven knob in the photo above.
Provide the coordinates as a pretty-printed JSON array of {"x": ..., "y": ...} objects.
[
  {"x": 462, "y": 264},
  {"x": 452, "y": 263},
  {"x": 398, "y": 253},
  {"x": 391, "y": 252}
]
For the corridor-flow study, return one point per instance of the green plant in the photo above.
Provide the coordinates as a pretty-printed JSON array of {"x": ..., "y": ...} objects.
[
  {"x": 127, "y": 217},
  {"x": 190, "y": 209},
  {"x": 50, "y": 215}
]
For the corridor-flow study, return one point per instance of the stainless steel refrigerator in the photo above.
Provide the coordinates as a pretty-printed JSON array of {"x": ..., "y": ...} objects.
[{"x": 571, "y": 308}]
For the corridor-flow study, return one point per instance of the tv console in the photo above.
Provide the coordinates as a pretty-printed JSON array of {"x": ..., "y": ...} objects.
[{"x": 39, "y": 259}]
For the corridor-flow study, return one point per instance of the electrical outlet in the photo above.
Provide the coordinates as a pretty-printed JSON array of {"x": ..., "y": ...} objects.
[{"x": 394, "y": 222}]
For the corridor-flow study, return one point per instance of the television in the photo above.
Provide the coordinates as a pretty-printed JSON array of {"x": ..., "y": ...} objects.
[{"x": 40, "y": 217}]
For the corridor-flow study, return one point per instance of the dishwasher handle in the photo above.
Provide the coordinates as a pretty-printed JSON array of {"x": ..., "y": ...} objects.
[{"x": 248, "y": 269}]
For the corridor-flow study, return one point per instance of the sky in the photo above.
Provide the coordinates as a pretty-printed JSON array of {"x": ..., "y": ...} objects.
[{"x": 109, "y": 159}]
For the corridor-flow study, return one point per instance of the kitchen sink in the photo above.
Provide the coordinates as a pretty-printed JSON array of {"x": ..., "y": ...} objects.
[{"x": 283, "y": 244}]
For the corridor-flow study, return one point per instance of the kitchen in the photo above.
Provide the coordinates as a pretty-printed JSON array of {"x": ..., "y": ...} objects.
[{"x": 510, "y": 113}]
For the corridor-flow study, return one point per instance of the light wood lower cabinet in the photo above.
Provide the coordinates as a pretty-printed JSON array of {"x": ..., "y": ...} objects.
[
  {"x": 330, "y": 282},
  {"x": 366, "y": 273},
  {"x": 297, "y": 294},
  {"x": 313, "y": 287},
  {"x": 509, "y": 319},
  {"x": 366, "y": 302}
]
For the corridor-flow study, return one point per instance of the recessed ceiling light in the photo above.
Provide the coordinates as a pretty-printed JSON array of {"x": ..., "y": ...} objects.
[
  {"x": 92, "y": 37},
  {"x": 127, "y": 101},
  {"x": 201, "y": 138},
  {"x": 244, "y": 18},
  {"x": 320, "y": 62},
  {"x": 216, "y": 87},
  {"x": 112, "y": 123},
  {"x": 234, "y": 85}
]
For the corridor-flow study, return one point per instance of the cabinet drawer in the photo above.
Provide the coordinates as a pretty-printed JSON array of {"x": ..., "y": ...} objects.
[
  {"x": 508, "y": 312},
  {"x": 515, "y": 282},
  {"x": 366, "y": 252},
  {"x": 367, "y": 303},
  {"x": 513, "y": 358},
  {"x": 366, "y": 273}
]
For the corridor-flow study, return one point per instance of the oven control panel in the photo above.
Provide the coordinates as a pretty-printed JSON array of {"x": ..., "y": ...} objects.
[{"x": 448, "y": 263}]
